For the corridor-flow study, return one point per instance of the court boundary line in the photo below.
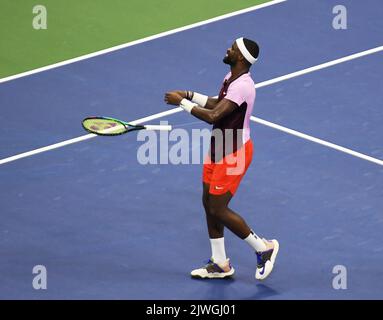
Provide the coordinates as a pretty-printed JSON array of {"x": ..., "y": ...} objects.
[
  {"x": 139, "y": 41},
  {"x": 253, "y": 118},
  {"x": 316, "y": 140}
]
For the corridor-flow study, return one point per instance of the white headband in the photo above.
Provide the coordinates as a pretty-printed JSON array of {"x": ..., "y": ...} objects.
[{"x": 244, "y": 51}]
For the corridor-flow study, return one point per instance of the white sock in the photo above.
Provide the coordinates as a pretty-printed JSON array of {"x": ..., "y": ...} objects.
[
  {"x": 255, "y": 242},
  {"x": 218, "y": 250}
]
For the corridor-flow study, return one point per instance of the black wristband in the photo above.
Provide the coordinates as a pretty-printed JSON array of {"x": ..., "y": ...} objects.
[{"x": 189, "y": 95}]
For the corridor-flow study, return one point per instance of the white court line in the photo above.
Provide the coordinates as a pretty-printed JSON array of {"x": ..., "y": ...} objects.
[
  {"x": 264, "y": 122},
  {"x": 320, "y": 66},
  {"x": 146, "y": 39},
  {"x": 316, "y": 140},
  {"x": 83, "y": 138}
]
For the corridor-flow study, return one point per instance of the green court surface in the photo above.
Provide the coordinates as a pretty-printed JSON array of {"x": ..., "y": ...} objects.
[{"x": 75, "y": 28}]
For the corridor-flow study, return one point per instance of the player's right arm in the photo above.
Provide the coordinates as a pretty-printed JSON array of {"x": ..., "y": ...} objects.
[{"x": 211, "y": 103}]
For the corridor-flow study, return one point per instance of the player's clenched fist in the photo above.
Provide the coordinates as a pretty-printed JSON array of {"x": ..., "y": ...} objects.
[{"x": 174, "y": 97}]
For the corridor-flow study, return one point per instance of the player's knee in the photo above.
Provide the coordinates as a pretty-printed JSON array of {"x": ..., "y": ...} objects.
[
  {"x": 207, "y": 210},
  {"x": 215, "y": 210}
]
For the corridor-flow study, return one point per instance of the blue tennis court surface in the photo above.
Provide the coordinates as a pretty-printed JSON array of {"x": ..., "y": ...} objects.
[{"x": 107, "y": 227}]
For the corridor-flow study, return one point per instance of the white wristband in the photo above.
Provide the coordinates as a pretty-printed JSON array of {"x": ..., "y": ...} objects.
[
  {"x": 187, "y": 105},
  {"x": 200, "y": 99}
]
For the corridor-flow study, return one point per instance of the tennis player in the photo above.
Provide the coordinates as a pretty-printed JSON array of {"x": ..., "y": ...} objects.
[{"x": 227, "y": 161}]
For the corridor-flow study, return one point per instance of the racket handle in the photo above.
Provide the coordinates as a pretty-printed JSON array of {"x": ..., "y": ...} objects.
[{"x": 158, "y": 127}]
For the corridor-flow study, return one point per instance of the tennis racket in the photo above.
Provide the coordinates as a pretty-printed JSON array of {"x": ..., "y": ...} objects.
[{"x": 105, "y": 126}]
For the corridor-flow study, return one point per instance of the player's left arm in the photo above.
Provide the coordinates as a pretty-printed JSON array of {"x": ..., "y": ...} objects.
[{"x": 211, "y": 116}]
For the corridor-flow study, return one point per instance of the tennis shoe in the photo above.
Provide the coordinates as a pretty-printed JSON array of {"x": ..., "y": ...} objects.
[
  {"x": 214, "y": 270},
  {"x": 266, "y": 260}
]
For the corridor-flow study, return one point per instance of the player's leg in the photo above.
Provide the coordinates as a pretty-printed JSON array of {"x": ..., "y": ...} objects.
[
  {"x": 265, "y": 250},
  {"x": 218, "y": 265},
  {"x": 219, "y": 211},
  {"x": 218, "y": 208},
  {"x": 214, "y": 226},
  {"x": 224, "y": 182}
]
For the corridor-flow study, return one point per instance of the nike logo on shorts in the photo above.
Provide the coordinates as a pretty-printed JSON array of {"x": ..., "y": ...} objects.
[{"x": 218, "y": 188}]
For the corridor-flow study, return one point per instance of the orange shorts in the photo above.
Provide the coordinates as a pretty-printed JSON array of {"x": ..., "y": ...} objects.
[{"x": 227, "y": 174}]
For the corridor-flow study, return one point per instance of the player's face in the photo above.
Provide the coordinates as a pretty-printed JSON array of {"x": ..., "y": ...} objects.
[{"x": 231, "y": 56}]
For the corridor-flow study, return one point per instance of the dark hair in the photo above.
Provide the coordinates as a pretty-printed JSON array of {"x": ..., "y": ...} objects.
[{"x": 252, "y": 47}]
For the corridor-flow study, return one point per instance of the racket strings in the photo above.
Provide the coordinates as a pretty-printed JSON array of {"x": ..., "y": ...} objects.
[{"x": 104, "y": 126}]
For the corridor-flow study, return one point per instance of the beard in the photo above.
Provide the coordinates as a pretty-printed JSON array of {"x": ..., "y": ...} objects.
[{"x": 227, "y": 60}]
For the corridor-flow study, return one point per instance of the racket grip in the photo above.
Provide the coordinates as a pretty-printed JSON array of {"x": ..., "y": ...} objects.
[{"x": 158, "y": 127}]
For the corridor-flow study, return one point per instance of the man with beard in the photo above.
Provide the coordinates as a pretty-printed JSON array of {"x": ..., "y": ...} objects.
[{"x": 230, "y": 155}]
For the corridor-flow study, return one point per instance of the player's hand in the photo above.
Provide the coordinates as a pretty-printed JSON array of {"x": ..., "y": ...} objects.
[
  {"x": 174, "y": 97},
  {"x": 182, "y": 93}
]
